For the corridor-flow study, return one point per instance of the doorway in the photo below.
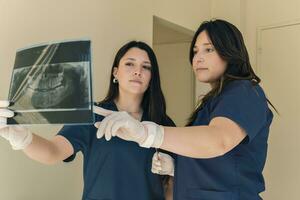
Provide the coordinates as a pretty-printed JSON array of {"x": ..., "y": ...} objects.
[
  {"x": 171, "y": 44},
  {"x": 279, "y": 69}
]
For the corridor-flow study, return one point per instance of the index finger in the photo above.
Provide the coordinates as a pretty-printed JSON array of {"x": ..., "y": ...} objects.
[
  {"x": 155, "y": 156},
  {"x": 102, "y": 111}
]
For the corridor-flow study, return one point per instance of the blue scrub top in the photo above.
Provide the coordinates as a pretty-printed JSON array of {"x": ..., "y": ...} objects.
[
  {"x": 238, "y": 173},
  {"x": 115, "y": 169}
]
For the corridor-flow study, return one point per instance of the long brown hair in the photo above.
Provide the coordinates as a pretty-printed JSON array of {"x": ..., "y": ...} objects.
[
  {"x": 229, "y": 43},
  {"x": 153, "y": 104}
]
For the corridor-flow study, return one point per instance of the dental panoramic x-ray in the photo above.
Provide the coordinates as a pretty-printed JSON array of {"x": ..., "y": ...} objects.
[{"x": 51, "y": 84}]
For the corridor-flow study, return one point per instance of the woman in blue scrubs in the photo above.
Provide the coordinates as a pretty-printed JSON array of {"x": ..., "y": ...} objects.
[
  {"x": 118, "y": 169},
  {"x": 222, "y": 152}
]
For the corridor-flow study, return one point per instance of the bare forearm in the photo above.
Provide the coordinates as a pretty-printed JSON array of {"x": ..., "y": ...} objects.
[
  {"x": 196, "y": 141},
  {"x": 219, "y": 137},
  {"x": 43, "y": 150}
]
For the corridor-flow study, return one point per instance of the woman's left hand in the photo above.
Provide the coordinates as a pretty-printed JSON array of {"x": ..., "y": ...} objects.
[{"x": 162, "y": 164}]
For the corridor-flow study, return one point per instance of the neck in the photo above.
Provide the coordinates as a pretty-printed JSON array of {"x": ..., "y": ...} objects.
[{"x": 130, "y": 103}]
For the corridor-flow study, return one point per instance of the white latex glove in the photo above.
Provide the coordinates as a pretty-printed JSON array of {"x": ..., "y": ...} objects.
[
  {"x": 146, "y": 134},
  {"x": 162, "y": 164},
  {"x": 19, "y": 137}
]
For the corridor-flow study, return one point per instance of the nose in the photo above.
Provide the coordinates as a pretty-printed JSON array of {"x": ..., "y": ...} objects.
[
  {"x": 138, "y": 71},
  {"x": 198, "y": 58}
]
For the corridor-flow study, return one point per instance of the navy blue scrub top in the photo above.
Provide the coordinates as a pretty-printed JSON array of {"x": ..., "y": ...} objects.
[
  {"x": 238, "y": 173},
  {"x": 115, "y": 169}
]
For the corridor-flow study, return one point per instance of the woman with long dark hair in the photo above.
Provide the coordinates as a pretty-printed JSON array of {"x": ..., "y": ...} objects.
[
  {"x": 118, "y": 169},
  {"x": 222, "y": 151}
]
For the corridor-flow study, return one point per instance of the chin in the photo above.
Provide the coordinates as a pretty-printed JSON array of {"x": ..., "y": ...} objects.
[
  {"x": 203, "y": 79},
  {"x": 206, "y": 79},
  {"x": 137, "y": 88},
  {"x": 136, "y": 91}
]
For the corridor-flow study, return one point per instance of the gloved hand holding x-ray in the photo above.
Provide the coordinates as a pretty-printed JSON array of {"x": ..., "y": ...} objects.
[
  {"x": 146, "y": 134},
  {"x": 18, "y": 136}
]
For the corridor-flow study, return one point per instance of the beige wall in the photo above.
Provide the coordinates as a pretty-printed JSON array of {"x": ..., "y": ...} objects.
[
  {"x": 177, "y": 80},
  {"x": 264, "y": 13},
  {"x": 188, "y": 14},
  {"x": 108, "y": 23},
  {"x": 23, "y": 22},
  {"x": 249, "y": 16},
  {"x": 230, "y": 10},
  {"x": 281, "y": 177}
]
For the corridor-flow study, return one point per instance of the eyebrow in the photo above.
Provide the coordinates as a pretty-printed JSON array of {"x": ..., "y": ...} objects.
[
  {"x": 205, "y": 44},
  {"x": 133, "y": 59},
  {"x": 130, "y": 59}
]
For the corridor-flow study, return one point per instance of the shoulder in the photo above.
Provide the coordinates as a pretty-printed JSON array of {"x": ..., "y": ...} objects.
[
  {"x": 243, "y": 90},
  {"x": 110, "y": 105},
  {"x": 242, "y": 85},
  {"x": 238, "y": 96}
]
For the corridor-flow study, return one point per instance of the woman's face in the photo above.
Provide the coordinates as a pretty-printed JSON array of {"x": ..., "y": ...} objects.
[
  {"x": 134, "y": 71},
  {"x": 208, "y": 66}
]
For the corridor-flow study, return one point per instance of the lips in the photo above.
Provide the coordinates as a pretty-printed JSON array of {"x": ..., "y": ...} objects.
[
  {"x": 136, "y": 81},
  {"x": 201, "y": 69}
]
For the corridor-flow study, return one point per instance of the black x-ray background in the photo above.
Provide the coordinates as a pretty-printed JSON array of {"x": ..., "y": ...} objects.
[{"x": 51, "y": 84}]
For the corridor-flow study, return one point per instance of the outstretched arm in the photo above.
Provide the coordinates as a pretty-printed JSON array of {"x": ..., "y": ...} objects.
[
  {"x": 34, "y": 146},
  {"x": 215, "y": 139},
  {"x": 49, "y": 151}
]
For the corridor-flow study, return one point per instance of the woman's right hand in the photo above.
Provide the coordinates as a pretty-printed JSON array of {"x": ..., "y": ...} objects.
[
  {"x": 18, "y": 136},
  {"x": 162, "y": 164}
]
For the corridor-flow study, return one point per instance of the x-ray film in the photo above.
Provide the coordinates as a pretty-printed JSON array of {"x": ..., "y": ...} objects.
[{"x": 51, "y": 84}]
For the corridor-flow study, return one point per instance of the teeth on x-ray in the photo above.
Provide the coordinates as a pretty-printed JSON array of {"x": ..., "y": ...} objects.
[
  {"x": 54, "y": 86},
  {"x": 57, "y": 86},
  {"x": 49, "y": 80}
]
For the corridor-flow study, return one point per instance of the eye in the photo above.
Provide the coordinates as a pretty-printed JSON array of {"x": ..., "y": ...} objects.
[
  {"x": 195, "y": 51},
  {"x": 129, "y": 64},
  {"x": 147, "y": 67},
  {"x": 209, "y": 49}
]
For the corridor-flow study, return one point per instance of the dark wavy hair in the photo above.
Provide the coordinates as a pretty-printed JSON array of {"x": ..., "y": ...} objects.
[
  {"x": 153, "y": 102},
  {"x": 229, "y": 43}
]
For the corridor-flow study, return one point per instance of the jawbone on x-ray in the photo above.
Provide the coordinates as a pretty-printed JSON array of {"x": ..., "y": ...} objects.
[
  {"x": 63, "y": 85},
  {"x": 51, "y": 88},
  {"x": 52, "y": 92}
]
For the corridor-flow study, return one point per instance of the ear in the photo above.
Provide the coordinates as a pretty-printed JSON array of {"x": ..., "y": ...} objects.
[{"x": 115, "y": 71}]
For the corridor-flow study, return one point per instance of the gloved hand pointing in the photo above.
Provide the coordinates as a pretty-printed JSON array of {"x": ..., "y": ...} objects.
[
  {"x": 19, "y": 137},
  {"x": 146, "y": 134}
]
